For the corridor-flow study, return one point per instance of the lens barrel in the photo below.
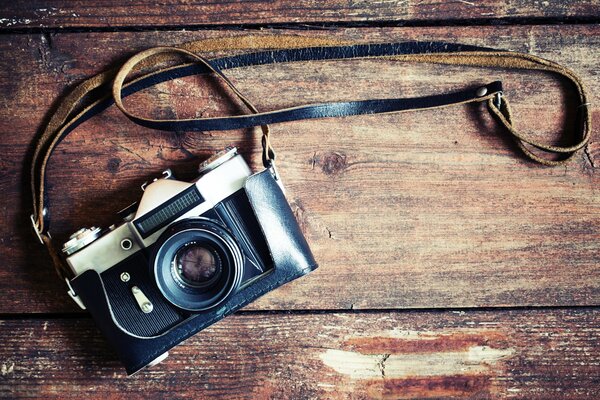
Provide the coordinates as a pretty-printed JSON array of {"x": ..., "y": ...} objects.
[{"x": 197, "y": 264}]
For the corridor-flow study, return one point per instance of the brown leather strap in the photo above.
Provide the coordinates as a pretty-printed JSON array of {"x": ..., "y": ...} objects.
[
  {"x": 268, "y": 152},
  {"x": 73, "y": 107},
  {"x": 77, "y": 103}
]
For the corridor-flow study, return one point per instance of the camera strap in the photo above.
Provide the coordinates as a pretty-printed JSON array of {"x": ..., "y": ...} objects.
[{"x": 110, "y": 87}]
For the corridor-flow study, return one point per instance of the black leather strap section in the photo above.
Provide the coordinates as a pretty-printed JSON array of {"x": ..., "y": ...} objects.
[
  {"x": 335, "y": 109},
  {"x": 338, "y": 109},
  {"x": 341, "y": 52},
  {"x": 305, "y": 112}
]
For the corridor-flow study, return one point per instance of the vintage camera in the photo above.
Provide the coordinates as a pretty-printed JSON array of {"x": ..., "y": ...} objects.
[{"x": 186, "y": 256}]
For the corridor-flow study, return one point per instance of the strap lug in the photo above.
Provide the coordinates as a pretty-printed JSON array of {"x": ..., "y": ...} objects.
[{"x": 34, "y": 224}]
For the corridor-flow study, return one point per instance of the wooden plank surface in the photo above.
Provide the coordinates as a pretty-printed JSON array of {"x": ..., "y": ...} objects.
[
  {"x": 434, "y": 210},
  {"x": 551, "y": 354},
  {"x": 426, "y": 209},
  {"x": 145, "y": 13}
]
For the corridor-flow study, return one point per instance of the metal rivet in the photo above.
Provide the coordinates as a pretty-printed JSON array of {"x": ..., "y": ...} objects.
[
  {"x": 147, "y": 307},
  {"x": 125, "y": 277},
  {"x": 126, "y": 244},
  {"x": 142, "y": 301},
  {"x": 482, "y": 91}
]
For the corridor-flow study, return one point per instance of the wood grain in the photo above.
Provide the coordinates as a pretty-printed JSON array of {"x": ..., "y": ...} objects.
[
  {"x": 427, "y": 209},
  {"x": 392, "y": 355},
  {"x": 433, "y": 209},
  {"x": 145, "y": 13}
]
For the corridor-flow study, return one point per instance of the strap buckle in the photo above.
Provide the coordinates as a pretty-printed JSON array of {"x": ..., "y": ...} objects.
[{"x": 34, "y": 224}]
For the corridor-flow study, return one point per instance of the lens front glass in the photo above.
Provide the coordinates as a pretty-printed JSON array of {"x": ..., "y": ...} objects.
[{"x": 197, "y": 264}]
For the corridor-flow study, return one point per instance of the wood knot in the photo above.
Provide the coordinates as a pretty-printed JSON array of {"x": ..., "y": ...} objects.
[
  {"x": 113, "y": 165},
  {"x": 332, "y": 163}
]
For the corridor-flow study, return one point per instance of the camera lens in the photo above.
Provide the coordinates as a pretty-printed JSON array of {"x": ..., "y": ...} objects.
[{"x": 197, "y": 264}]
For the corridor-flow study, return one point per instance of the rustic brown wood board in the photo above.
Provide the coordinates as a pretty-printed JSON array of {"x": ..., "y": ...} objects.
[
  {"x": 426, "y": 209},
  {"x": 390, "y": 355},
  {"x": 450, "y": 266},
  {"x": 147, "y": 13}
]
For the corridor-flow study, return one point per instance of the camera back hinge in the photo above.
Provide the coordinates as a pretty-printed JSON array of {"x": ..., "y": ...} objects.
[{"x": 74, "y": 295}]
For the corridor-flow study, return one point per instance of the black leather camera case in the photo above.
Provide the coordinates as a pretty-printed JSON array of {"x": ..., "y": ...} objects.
[{"x": 291, "y": 258}]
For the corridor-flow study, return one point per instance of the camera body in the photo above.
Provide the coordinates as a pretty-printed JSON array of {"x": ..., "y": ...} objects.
[{"x": 186, "y": 256}]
